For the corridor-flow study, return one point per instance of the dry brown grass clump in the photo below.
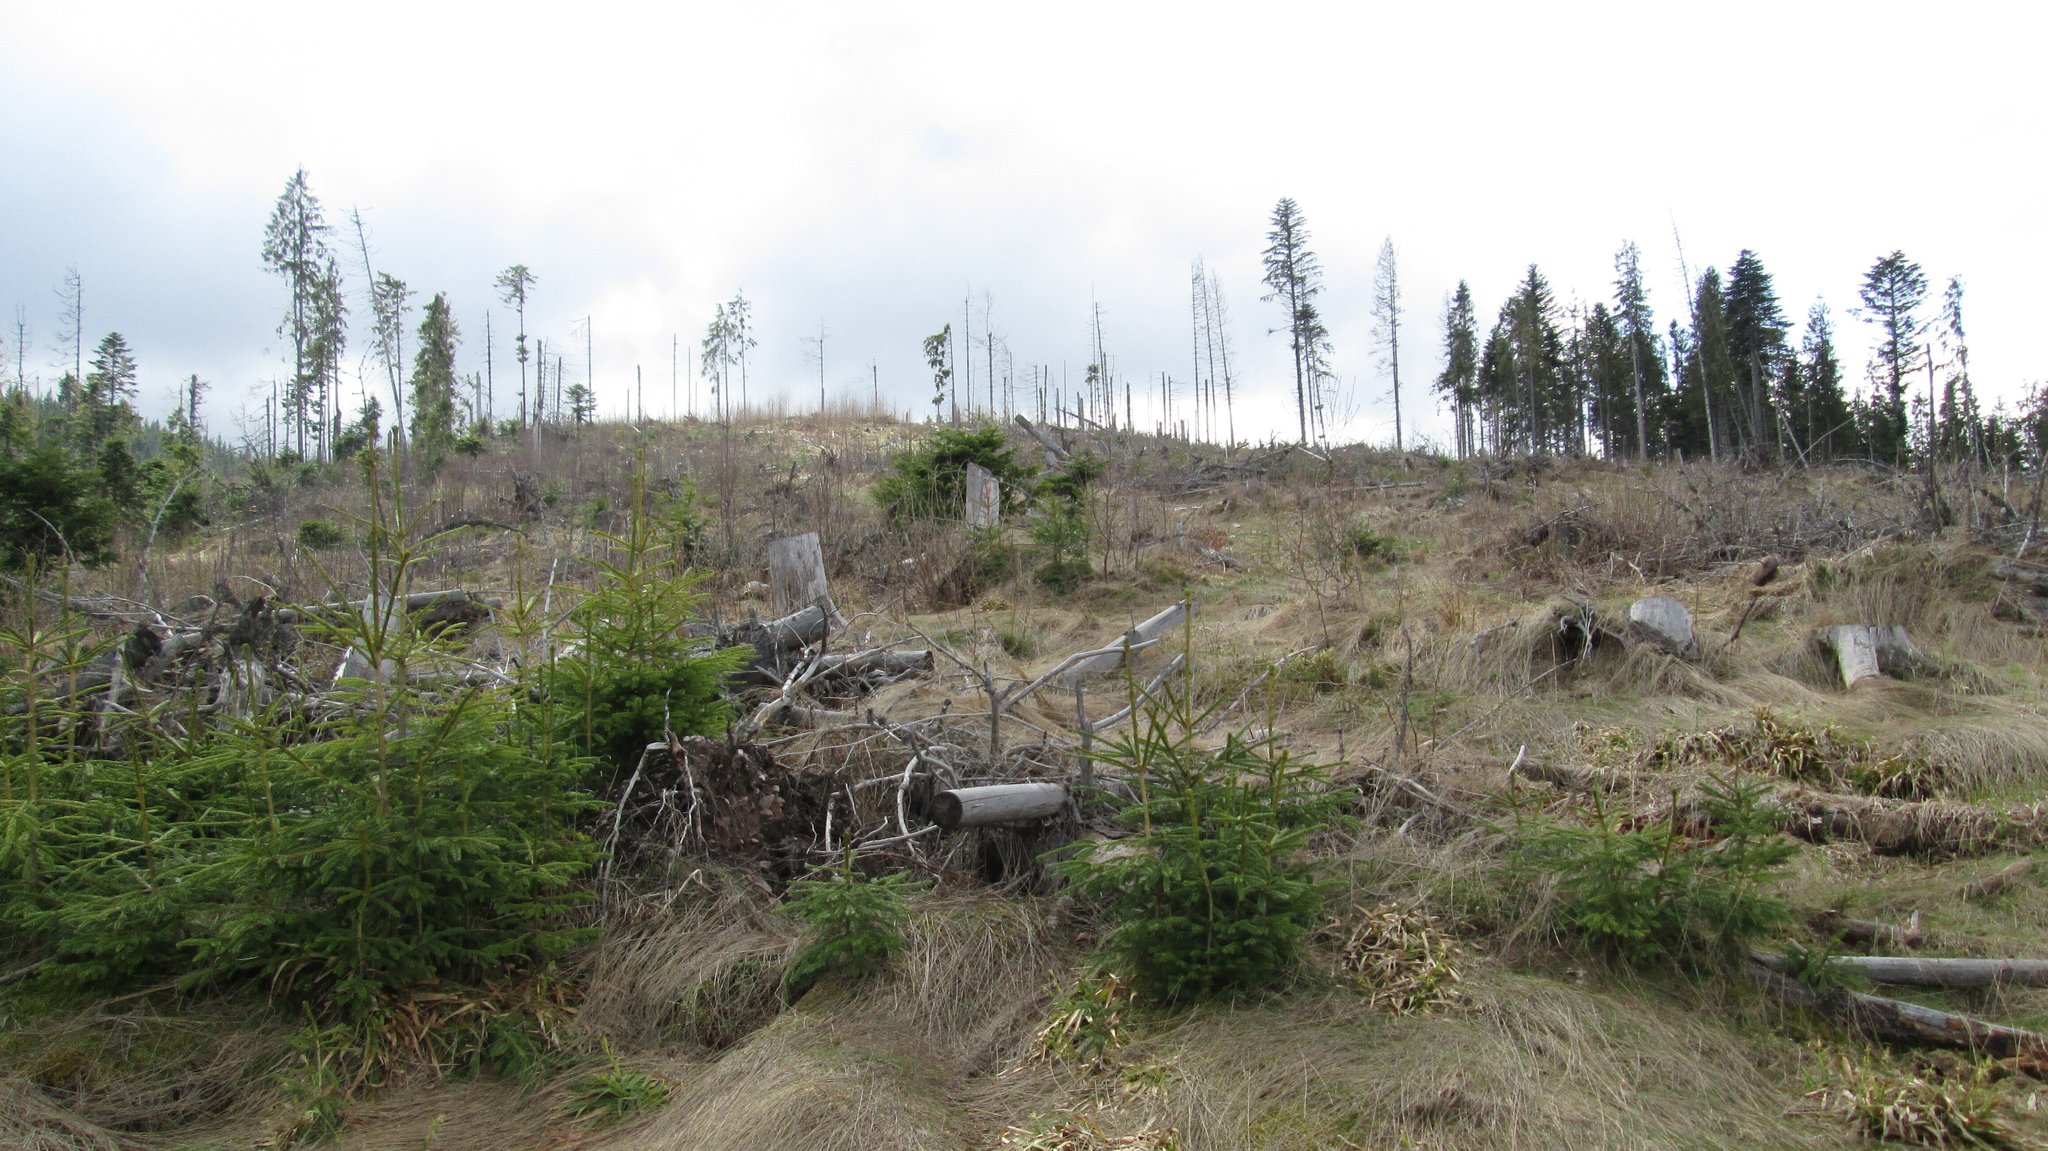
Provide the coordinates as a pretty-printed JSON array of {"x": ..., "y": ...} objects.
[{"x": 1400, "y": 958}]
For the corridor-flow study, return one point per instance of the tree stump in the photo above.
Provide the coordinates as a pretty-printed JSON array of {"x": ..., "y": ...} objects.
[
  {"x": 1663, "y": 623},
  {"x": 796, "y": 573}
]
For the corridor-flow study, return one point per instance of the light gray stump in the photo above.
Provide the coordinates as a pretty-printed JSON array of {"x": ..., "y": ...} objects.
[
  {"x": 1863, "y": 652},
  {"x": 1663, "y": 623},
  {"x": 796, "y": 573},
  {"x": 984, "y": 497}
]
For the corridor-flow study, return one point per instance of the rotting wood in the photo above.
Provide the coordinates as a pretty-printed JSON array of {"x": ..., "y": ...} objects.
[
  {"x": 997, "y": 803},
  {"x": 1895, "y": 1021},
  {"x": 1929, "y": 971},
  {"x": 1927, "y": 828},
  {"x": 1579, "y": 780}
]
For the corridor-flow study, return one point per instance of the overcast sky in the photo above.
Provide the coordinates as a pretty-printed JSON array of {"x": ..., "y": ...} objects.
[{"x": 870, "y": 166}]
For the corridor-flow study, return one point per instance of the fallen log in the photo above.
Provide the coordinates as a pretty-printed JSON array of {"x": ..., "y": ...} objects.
[
  {"x": 1895, "y": 1021},
  {"x": 1925, "y": 971},
  {"x": 999, "y": 803},
  {"x": 1986, "y": 886},
  {"x": 1143, "y": 635},
  {"x": 1865, "y": 932},
  {"x": 1579, "y": 780},
  {"x": 416, "y": 602},
  {"x": 1928, "y": 828},
  {"x": 890, "y": 664},
  {"x": 1055, "y": 455}
]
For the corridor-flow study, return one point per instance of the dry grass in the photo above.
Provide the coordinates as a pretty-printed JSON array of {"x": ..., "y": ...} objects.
[{"x": 1462, "y": 631}]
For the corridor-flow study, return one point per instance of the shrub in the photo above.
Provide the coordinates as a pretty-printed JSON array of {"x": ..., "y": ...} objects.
[
  {"x": 1061, "y": 533},
  {"x": 1210, "y": 895},
  {"x": 1652, "y": 891},
  {"x": 49, "y": 507},
  {"x": 615, "y": 1094},
  {"x": 930, "y": 481},
  {"x": 855, "y": 924},
  {"x": 408, "y": 838},
  {"x": 317, "y": 535}
]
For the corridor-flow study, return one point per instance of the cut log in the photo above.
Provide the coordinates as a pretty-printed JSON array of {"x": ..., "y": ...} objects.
[
  {"x": 1000, "y": 803},
  {"x": 1662, "y": 623},
  {"x": 1921, "y": 971},
  {"x": 1894, "y": 1021},
  {"x": 984, "y": 498},
  {"x": 1864, "y": 651},
  {"x": 796, "y": 573}
]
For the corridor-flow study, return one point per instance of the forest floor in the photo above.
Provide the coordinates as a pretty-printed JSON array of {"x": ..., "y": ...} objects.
[{"x": 1451, "y": 643}]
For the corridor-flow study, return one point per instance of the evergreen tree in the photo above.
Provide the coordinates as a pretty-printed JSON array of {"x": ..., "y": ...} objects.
[
  {"x": 1822, "y": 423},
  {"x": 1458, "y": 382},
  {"x": 433, "y": 381},
  {"x": 1645, "y": 358},
  {"x": 295, "y": 248},
  {"x": 1296, "y": 278},
  {"x": 1700, "y": 422},
  {"x": 513, "y": 285},
  {"x": 1522, "y": 373},
  {"x": 1602, "y": 356},
  {"x": 1892, "y": 293},
  {"x": 104, "y": 411},
  {"x": 390, "y": 301},
  {"x": 1756, "y": 347},
  {"x": 1961, "y": 423}
]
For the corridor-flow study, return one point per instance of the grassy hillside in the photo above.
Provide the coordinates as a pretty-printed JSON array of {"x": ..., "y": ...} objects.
[{"x": 1448, "y": 639}]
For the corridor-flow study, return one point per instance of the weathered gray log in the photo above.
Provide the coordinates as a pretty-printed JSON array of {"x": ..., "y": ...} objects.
[
  {"x": 1144, "y": 634},
  {"x": 1864, "y": 651},
  {"x": 1894, "y": 1021},
  {"x": 1055, "y": 455},
  {"x": 796, "y": 573},
  {"x": 998, "y": 803},
  {"x": 417, "y": 601},
  {"x": 984, "y": 498},
  {"x": 1662, "y": 623},
  {"x": 773, "y": 641},
  {"x": 885, "y": 663},
  {"x": 1923, "y": 971}
]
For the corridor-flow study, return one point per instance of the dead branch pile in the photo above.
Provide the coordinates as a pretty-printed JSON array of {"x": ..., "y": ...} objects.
[{"x": 1689, "y": 520}]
